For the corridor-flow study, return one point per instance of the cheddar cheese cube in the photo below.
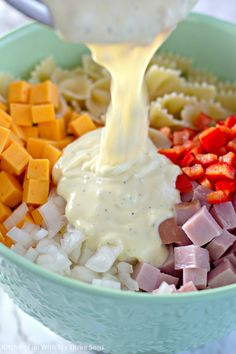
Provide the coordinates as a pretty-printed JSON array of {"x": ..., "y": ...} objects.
[
  {"x": 35, "y": 147},
  {"x": 43, "y": 113},
  {"x": 53, "y": 130},
  {"x": 52, "y": 154},
  {"x": 45, "y": 92},
  {"x": 19, "y": 92},
  {"x": 35, "y": 192},
  {"x": 6, "y": 240},
  {"x": 5, "y": 211},
  {"x": 18, "y": 131},
  {"x": 37, "y": 217},
  {"x": 5, "y": 119},
  {"x": 61, "y": 144},
  {"x": 82, "y": 125},
  {"x": 27, "y": 218},
  {"x": 3, "y": 106},
  {"x": 10, "y": 190},
  {"x": 13, "y": 138},
  {"x": 21, "y": 114},
  {"x": 4, "y": 136},
  {"x": 15, "y": 159},
  {"x": 3, "y": 230},
  {"x": 31, "y": 132},
  {"x": 38, "y": 169},
  {"x": 73, "y": 116}
]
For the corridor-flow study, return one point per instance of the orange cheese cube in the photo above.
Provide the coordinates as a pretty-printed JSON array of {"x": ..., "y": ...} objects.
[
  {"x": 4, "y": 136},
  {"x": 6, "y": 240},
  {"x": 45, "y": 92},
  {"x": 52, "y": 154},
  {"x": 15, "y": 159},
  {"x": 13, "y": 138},
  {"x": 21, "y": 114},
  {"x": 18, "y": 131},
  {"x": 19, "y": 92},
  {"x": 43, "y": 113},
  {"x": 3, "y": 107},
  {"x": 2, "y": 238},
  {"x": 73, "y": 116},
  {"x": 61, "y": 144},
  {"x": 81, "y": 125},
  {"x": 38, "y": 169},
  {"x": 31, "y": 132},
  {"x": 27, "y": 218},
  {"x": 35, "y": 147},
  {"x": 37, "y": 217},
  {"x": 53, "y": 130},
  {"x": 3, "y": 230},
  {"x": 10, "y": 190},
  {"x": 5, "y": 119},
  {"x": 5, "y": 211},
  {"x": 35, "y": 191}
]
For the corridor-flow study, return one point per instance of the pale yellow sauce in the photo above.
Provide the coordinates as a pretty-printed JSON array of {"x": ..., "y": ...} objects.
[{"x": 117, "y": 187}]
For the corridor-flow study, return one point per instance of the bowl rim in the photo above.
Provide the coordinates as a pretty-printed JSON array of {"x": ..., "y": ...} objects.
[{"x": 93, "y": 290}]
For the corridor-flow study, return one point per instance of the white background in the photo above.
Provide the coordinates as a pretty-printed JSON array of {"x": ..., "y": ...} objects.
[{"x": 18, "y": 330}]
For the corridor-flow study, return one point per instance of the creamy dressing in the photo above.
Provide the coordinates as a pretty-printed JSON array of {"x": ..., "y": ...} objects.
[{"x": 118, "y": 189}]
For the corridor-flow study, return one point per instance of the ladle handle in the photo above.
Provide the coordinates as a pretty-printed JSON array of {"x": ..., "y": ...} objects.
[{"x": 34, "y": 9}]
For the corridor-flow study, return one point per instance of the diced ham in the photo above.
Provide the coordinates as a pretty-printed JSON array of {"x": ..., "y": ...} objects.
[
  {"x": 200, "y": 193},
  {"x": 219, "y": 245},
  {"x": 184, "y": 211},
  {"x": 229, "y": 255},
  {"x": 223, "y": 274},
  {"x": 186, "y": 197},
  {"x": 188, "y": 287},
  {"x": 225, "y": 215},
  {"x": 191, "y": 257},
  {"x": 197, "y": 275},
  {"x": 168, "y": 266},
  {"x": 169, "y": 279},
  {"x": 184, "y": 240},
  {"x": 165, "y": 289},
  {"x": 234, "y": 201},
  {"x": 169, "y": 232},
  {"x": 146, "y": 276},
  {"x": 201, "y": 228}
]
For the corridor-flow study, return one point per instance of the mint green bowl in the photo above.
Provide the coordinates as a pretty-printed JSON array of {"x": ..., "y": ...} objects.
[{"x": 121, "y": 322}]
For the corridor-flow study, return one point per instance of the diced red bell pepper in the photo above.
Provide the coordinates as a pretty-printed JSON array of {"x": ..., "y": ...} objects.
[
  {"x": 203, "y": 121},
  {"x": 174, "y": 154},
  {"x": 217, "y": 197},
  {"x": 194, "y": 172},
  {"x": 227, "y": 186},
  {"x": 229, "y": 158},
  {"x": 198, "y": 150},
  {"x": 206, "y": 159},
  {"x": 231, "y": 146},
  {"x": 228, "y": 132},
  {"x": 212, "y": 139},
  {"x": 171, "y": 154},
  {"x": 204, "y": 181},
  {"x": 188, "y": 160},
  {"x": 219, "y": 171},
  {"x": 222, "y": 151},
  {"x": 183, "y": 184},
  {"x": 180, "y": 137},
  {"x": 230, "y": 121}
]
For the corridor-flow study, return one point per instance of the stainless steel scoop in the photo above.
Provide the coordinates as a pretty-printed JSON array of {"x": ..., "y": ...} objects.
[{"x": 34, "y": 9}]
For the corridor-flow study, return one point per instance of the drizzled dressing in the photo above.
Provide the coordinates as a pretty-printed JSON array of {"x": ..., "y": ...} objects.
[{"x": 118, "y": 189}]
